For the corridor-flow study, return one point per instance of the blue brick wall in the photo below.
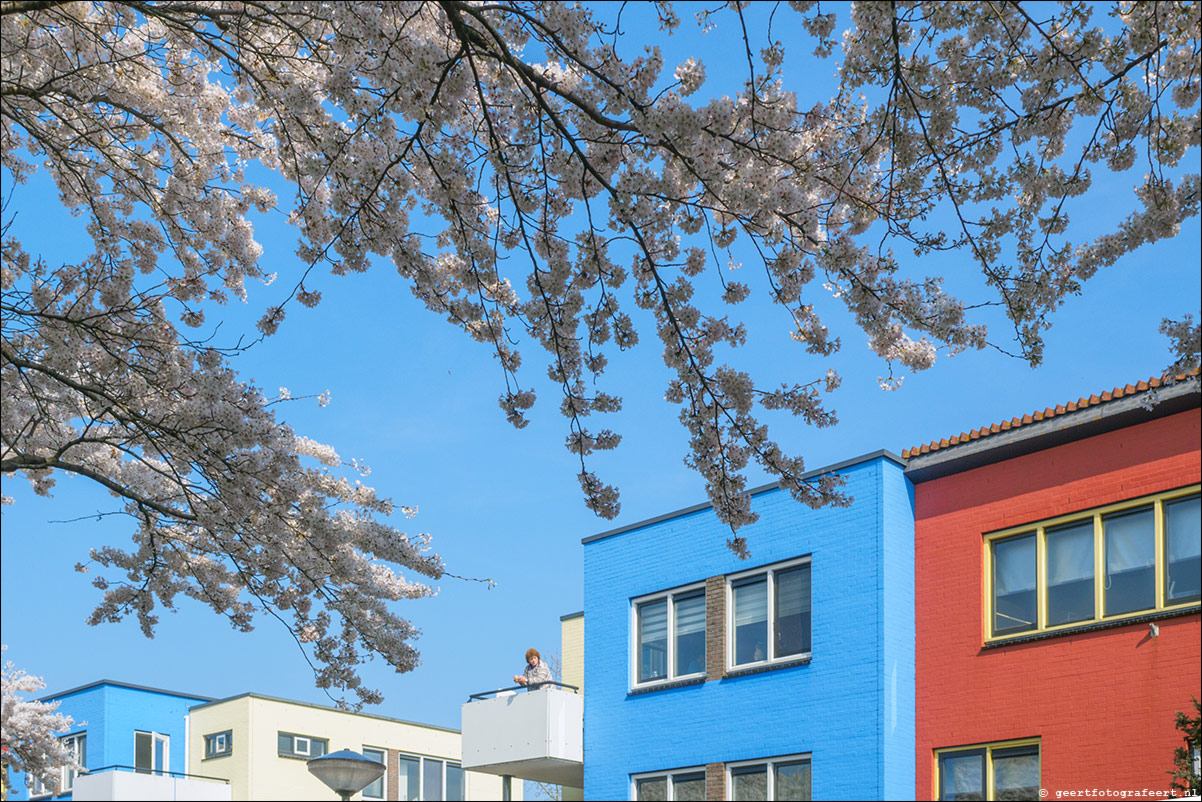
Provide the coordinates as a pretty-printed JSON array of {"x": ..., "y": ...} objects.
[
  {"x": 110, "y": 714},
  {"x": 836, "y": 707},
  {"x": 897, "y": 636}
]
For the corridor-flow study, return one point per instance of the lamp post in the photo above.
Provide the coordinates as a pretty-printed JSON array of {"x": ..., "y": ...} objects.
[{"x": 345, "y": 772}]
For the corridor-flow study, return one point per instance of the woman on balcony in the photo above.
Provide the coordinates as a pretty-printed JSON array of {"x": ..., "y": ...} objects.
[{"x": 536, "y": 674}]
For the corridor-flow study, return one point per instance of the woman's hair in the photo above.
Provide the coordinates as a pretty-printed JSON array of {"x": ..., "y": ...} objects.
[{"x": 532, "y": 653}]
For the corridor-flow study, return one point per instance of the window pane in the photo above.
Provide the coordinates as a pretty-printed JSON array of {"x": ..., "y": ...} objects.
[
  {"x": 78, "y": 744},
  {"x": 793, "y": 611},
  {"x": 653, "y": 640},
  {"x": 432, "y": 779},
  {"x": 962, "y": 777},
  {"x": 375, "y": 790},
  {"x": 1070, "y": 573},
  {"x": 690, "y": 633},
  {"x": 793, "y": 780},
  {"x": 1183, "y": 528},
  {"x": 285, "y": 744},
  {"x": 654, "y": 789},
  {"x": 408, "y": 778},
  {"x": 219, "y": 744},
  {"x": 751, "y": 620},
  {"x": 750, "y": 782},
  {"x": 1014, "y": 584},
  {"x": 160, "y": 753},
  {"x": 689, "y": 787},
  {"x": 455, "y": 782},
  {"x": 1016, "y": 774},
  {"x": 317, "y": 747},
  {"x": 1130, "y": 561},
  {"x": 142, "y": 752}
]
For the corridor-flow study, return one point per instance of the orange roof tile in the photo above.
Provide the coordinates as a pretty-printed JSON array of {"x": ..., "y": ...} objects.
[{"x": 1050, "y": 412}]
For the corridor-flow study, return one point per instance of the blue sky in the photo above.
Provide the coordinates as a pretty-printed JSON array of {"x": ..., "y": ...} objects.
[{"x": 417, "y": 401}]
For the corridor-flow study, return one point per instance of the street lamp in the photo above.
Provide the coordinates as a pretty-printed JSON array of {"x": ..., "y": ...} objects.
[{"x": 345, "y": 772}]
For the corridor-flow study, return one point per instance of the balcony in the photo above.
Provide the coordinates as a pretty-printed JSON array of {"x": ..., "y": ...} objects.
[
  {"x": 534, "y": 735},
  {"x": 125, "y": 782}
]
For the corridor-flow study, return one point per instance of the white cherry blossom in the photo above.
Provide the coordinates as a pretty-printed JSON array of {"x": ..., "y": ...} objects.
[
  {"x": 30, "y": 730},
  {"x": 535, "y": 181}
]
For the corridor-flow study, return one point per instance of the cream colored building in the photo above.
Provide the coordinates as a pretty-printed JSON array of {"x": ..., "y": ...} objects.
[
  {"x": 261, "y": 745},
  {"x": 571, "y": 644}
]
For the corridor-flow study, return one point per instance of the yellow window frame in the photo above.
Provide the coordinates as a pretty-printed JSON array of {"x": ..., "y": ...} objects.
[
  {"x": 989, "y": 749},
  {"x": 1039, "y": 529}
]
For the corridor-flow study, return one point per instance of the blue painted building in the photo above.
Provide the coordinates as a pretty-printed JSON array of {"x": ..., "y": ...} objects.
[
  {"x": 789, "y": 675},
  {"x": 118, "y": 724}
]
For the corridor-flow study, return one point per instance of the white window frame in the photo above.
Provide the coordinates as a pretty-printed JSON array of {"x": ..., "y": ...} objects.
[
  {"x": 155, "y": 739},
  {"x": 225, "y": 738},
  {"x": 670, "y": 595},
  {"x": 73, "y": 742},
  {"x": 383, "y": 776},
  {"x": 421, "y": 774},
  {"x": 770, "y": 571},
  {"x": 446, "y": 764},
  {"x": 667, "y": 775},
  {"x": 66, "y": 774},
  {"x": 294, "y": 751},
  {"x": 770, "y": 764}
]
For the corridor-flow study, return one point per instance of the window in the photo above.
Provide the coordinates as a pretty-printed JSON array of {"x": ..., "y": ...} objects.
[
  {"x": 410, "y": 778},
  {"x": 302, "y": 746},
  {"x": 78, "y": 744},
  {"x": 1008, "y": 770},
  {"x": 425, "y": 778},
  {"x": 682, "y": 784},
  {"x": 219, "y": 744},
  {"x": 431, "y": 779},
  {"x": 376, "y": 789},
  {"x": 770, "y": 614},
  {"x": 780, "y": 778},
  {"x": 1137, "y": 557},
  {"x": 1183, "y": 551},
  {"x": 151, "y": 753},
  {"x": 456, "y": 788},
  {"x": 669, "y": 631}
]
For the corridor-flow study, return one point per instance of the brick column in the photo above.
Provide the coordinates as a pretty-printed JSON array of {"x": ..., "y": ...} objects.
[
  {"x": 715, "y": 782},
  {"x": 392, "y": 790},
  {"x": 715, "y": 627}
]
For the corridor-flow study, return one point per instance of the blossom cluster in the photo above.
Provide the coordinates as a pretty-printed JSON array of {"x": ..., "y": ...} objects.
[
  {"x": 539, "y": 188},
  {"x": 29, "y": 730},
  {"x": 228, "y": 505}
]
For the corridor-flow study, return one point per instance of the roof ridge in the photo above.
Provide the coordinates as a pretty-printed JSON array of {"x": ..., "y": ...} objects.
[{"x": 1095, "y": 399}]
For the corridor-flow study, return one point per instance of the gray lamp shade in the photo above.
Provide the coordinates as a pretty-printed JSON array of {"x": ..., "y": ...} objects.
[{"x": 345, "y": 772}]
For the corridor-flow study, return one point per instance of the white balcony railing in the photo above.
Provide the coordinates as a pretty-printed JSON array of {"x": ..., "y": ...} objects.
[
  {"x": 533, "y": 735},
  {"x": 123, "y": 782}
]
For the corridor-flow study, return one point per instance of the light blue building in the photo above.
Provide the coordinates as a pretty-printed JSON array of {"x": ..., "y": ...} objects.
[
  {"x": 784, "y": 676},
  {"x": 120, "y": 727}
]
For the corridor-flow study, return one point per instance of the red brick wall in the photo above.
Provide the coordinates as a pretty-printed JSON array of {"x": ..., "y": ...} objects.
[{"x": 1102, "y": 702}]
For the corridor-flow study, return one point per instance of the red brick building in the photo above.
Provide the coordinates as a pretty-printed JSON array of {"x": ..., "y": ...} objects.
[{"x": 1057, "y": 563}]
